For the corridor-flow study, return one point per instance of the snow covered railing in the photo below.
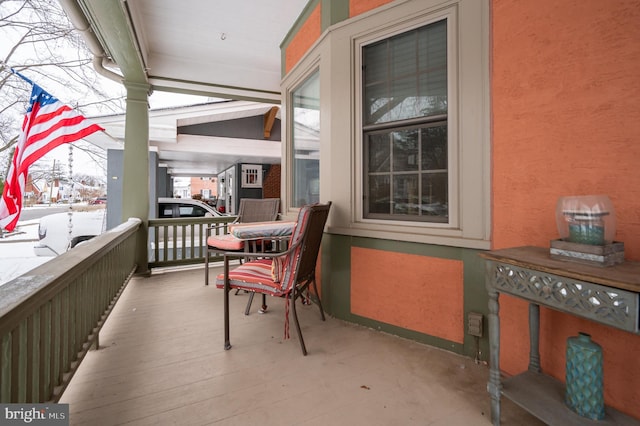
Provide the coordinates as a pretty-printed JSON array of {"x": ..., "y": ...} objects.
[{"x": 51, "y": 316}]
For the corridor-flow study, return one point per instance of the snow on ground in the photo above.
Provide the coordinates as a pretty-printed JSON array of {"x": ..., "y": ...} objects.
[{"x": 16, "y": 251}]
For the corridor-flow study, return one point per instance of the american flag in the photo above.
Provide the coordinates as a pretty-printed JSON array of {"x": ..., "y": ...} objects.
[{"x": 47, "y": 124}]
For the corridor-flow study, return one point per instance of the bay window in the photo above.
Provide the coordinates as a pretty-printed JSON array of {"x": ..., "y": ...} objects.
[{"x": 404, "y": 95}]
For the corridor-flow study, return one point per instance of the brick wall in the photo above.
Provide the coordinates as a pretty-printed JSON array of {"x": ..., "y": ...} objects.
[
  {"x": 197, "y": 185},
  {"x": 271, "y": 182}
]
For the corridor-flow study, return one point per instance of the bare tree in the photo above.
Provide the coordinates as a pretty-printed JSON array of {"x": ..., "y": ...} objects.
[
  {"x": 49, "y": 172},
  {"x": 37, "y": 40}
]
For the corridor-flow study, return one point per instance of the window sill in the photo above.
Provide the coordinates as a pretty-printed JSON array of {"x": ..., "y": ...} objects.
[{"x": 411, "y": 236}]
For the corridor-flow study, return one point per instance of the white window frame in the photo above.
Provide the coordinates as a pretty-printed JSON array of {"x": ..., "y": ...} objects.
[
  {"x": 361, "y": 43},
  {"x": 468, "y": 124},
  {"x": 252, "y": 176},
  {"x": 304, "y": 70}
]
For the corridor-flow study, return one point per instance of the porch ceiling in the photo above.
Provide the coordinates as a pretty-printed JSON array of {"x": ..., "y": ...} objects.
[
  {"x": 226, "y": 49},
  {"x": 222, "y": 49}
]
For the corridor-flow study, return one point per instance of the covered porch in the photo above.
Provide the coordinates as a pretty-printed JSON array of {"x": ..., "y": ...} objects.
[
  {"x": 506, "y": 172},
  {"x": 161, "y": 361}
]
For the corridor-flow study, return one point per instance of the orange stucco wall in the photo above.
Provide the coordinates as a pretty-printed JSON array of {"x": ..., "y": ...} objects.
[
  {"x": 408, "y": 291},
  {"x": 356, "y": 7},
  {"x": 312, "y": 28},
  {"x": 566, "y": 121},
  {"x": 307, "y": 35}
]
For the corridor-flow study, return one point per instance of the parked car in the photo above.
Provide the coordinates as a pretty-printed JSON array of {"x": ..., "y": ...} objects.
[
  {"x": 99, "y": 200},
  {"x": 54, "y": 236},
  {"x": 184, "y": 207},
  {"x": 53, "y": 231},
  {"x": 170, "y": 237}
]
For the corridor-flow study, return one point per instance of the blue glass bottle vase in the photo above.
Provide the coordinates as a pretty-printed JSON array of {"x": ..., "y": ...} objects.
[{"x": 584, "y": 381}]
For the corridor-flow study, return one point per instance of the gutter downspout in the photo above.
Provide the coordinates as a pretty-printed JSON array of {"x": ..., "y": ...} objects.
[{"x": 81, "y": 24}]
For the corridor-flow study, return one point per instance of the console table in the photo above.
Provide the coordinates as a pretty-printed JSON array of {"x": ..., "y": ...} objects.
[{"x": 608, "y": 295}]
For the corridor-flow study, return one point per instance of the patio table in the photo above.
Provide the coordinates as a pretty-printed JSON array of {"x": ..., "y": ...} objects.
[
  {"x": 261, "y": 230},
  {"x": 255, "y": 234}
]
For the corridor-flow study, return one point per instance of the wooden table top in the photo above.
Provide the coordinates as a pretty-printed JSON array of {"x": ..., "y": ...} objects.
[{"x": 624, "y": 276}]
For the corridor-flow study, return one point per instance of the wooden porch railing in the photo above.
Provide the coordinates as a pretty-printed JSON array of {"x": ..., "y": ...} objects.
[
  {"x": 182, "y": 241},
  {"x": 51, "y": 316}
]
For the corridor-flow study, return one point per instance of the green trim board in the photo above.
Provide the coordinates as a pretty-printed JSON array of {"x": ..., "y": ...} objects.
[
  {"x": 331, "y": 12},
  {"x": 336, "y": 287},
  {"x": 109, "y": 23},
  {"x": 408, "y": 334},
  {"x": 335, "y": 279}
]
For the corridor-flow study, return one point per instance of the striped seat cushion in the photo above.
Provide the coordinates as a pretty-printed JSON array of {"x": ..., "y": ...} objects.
[
  {"x": 253, "y": 276},
  {"x": 226, "y": 242}
]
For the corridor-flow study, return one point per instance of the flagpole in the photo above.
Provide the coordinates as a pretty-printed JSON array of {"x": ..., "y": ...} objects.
[
  {"x": 6, "y": 66},
  {"x": 22, "y": 76}
]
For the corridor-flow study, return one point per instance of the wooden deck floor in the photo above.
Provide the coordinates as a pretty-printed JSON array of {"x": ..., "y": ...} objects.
[{"x": 161, "y": 362}]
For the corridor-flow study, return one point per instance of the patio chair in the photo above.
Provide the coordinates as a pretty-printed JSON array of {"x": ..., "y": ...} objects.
[
  {"x": 250, "y": 210},
  {"x": 288, "y": 274}
]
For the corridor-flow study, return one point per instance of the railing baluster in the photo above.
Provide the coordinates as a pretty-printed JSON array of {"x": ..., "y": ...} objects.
[
  {"x": 192, "y": 243},
  {"x": 156, "y": 248},
  {"x": 56, "y": 343},
  {"x": 5, "y": 368},
  {"x": 174, "y": 234},
  {"x": 64, "y": 332},
  {"x": 19, "y": 364},
  {"x": 45, "y": 352},
  {"x": 33, "y": 356}
]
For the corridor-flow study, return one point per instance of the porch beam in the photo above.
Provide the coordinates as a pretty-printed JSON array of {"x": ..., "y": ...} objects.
[{"x": 269, "y": 120}]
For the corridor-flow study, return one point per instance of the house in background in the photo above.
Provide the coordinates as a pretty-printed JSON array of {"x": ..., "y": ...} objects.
[
  {"x": 32, "y": 191},
  {"x": 181, "y": 188},
  {"x": 439, "y": 129},
  {"x": 247, "y": 180},
  {"x": 44, "y": 191},
  {"x": 206, "y": 188}
]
